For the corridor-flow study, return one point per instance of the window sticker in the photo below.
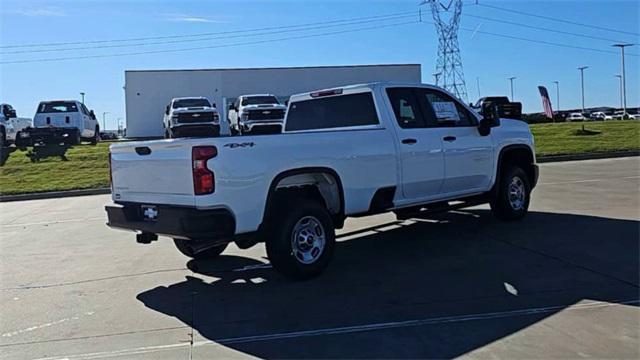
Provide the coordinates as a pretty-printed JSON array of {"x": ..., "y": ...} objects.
[{"x": 446, "y": 111}]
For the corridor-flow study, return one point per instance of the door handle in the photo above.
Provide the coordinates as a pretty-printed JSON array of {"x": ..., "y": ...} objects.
[
  {"x": 409, "y": 141},
  {"x": 449, "y": 138}
]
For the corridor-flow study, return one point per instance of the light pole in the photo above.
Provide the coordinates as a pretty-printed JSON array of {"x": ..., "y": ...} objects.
[
  {"x": 104, "y": 124},
  {"x": 582, "y": 68},
  {"x": 436, "y": 76},
  {"x": 557, "y": 95},
  {"x": 624, "y": 80},
  {"x": 511, "y": 79},
  {"x": 621, "y": 91},
  {"x": 82, "y": 94}
]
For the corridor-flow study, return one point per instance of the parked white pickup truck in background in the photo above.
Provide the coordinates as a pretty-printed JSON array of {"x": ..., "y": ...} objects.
[
  {"x": 10, "y": 124},
  {"x": 260, "y": 113},
  {"x": 346, "y": 152},
  {"x": 64, "y": 120},
  {"x": 191, "y": 116}
]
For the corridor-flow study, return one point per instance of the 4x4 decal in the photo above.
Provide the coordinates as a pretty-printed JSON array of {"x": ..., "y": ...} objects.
[{"x": 237, "y": 145}]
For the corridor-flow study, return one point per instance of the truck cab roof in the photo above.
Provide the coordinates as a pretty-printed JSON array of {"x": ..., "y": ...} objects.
[{"x": 356, "y": 88}]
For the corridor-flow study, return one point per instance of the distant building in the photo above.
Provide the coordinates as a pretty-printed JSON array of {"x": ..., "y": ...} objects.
[{"x": 147, "y": 92}]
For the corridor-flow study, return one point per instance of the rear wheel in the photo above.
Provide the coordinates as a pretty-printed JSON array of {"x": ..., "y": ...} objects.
[
  {"x": 96, "y": 136},
  {"x": 511, "y": 199},
  {"x": 75, "y": 138},
  {"x": 301, "y": 239},
  {"x": 198, "y": 250}
]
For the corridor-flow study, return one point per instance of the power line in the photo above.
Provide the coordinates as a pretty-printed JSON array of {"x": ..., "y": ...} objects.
[
  {"x": 545, "y": 42},
  {"x": 324, "y": 26},
  {"x": 558, "y": 20},
  {"x": 207, "y": 34},
  {"x": 541, "y": 28},
  {"x": 212, "y": 46}
]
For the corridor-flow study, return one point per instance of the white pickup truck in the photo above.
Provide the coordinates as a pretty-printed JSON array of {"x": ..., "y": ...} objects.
[
  {"x": 10, "y": 124},
  {"x": 67, "y": 121},
  {"x": 345, "y": 152},
  {"x": 191, "y": 116},
  {"x": 253, "y": 114}
]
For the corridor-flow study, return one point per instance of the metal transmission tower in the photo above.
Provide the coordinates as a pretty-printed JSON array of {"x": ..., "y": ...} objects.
[{"x": 449, "y": 65}]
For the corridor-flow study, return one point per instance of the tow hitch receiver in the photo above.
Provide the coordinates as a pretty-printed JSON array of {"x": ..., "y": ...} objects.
[{"x": 146, "y": 238}]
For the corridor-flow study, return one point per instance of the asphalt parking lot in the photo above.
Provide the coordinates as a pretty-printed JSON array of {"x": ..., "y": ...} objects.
[{"x": 562, "y": 283}]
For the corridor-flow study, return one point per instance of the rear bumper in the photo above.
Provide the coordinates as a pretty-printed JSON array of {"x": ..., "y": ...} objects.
[
  {"x": 46, "y": 135},
  {"x": 173, "y": 221}
]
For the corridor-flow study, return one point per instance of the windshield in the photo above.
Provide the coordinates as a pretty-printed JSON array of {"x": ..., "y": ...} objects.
[
  {"x": 191, "y": 103},
  {"x": 256, "y": 100},
  {"x": 57, "y": 106}
]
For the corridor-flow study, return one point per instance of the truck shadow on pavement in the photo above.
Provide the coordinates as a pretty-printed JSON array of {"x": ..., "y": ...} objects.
[{"x": 435, "y": 288}]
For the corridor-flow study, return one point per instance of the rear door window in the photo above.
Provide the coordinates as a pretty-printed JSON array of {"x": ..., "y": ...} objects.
[
  {"x": 332, "y": 112},
  {"x": 406, "y": 108}
]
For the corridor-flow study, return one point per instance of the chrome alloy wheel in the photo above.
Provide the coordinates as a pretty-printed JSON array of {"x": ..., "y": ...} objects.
[
  {"x": 517, "y": 193},
  {"x": 308, "y": 240}
]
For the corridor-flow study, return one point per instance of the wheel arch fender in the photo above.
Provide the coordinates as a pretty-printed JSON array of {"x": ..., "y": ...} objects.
[
  {"x": 516, "y": 153},
  {"x": 324, "y": 179}
]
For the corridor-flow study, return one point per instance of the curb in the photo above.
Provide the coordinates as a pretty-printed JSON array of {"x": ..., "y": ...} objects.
[
  {"x": 541, "y": 159},
  {"x": 588, "y": 156},
  {"x": 54, "y": 194}
]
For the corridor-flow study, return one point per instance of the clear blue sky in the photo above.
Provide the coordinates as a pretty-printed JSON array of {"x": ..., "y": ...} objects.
[{"x": 491, "y": 59}]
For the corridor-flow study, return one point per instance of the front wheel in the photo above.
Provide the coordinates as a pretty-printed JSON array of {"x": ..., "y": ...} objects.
[
  {"x": 197, "y": 251},
  {"x": 511, "y": 199},
  {"x": 303, "y": 238},
  {"x": 3, "y": 138}
]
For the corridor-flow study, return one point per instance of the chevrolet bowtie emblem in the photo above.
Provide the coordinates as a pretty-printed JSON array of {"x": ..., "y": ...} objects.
[{"x": 150, "y": 213}]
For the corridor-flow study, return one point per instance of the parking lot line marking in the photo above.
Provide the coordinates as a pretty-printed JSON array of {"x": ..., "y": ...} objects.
[
  {"x": 53, "y": 222},
  {"x": 44, "y": 286},
  {"x": 45, "y": 325},
  {"x": 349, "y": 329},
  {"x": 421, "y": 322},
  {"x": 253, "y": 267},
  {"x": 588, "y": 181}
]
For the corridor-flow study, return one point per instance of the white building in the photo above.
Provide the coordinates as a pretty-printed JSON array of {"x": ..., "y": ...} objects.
[{"x": 147, "y": 92}]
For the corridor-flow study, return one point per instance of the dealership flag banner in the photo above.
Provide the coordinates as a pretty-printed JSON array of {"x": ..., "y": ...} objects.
[{"x": 546, "y": 102}]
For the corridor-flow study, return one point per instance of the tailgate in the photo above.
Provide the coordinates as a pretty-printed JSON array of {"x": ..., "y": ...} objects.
[
  {"x": 62, "y": 120},
  {"x": 153, "y": 172}
]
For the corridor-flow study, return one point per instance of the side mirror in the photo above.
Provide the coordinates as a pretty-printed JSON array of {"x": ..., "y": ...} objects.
[
  {"x": 286, "y": 102},
  {"x": 12, "y": 114},
  {"x": 490, "y": 118},
  {"x": 92, "y": 114},
  {"x": 166, "y": 110},
  {"x": 232, "y": 107}
]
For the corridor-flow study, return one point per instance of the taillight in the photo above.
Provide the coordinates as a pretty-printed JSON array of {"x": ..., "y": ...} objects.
[{"x": 203, "y": 180}]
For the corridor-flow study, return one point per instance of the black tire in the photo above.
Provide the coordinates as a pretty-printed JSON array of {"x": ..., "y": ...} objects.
[
  {"x": 511, "y": 198},
  {"x": 167, "y": 135},
  {"x": 96, "y": 136},
  {"x": 184, "y": 246},
  {"x": 292, "y": 213},
  {"x": 3, "y": 137},
  {"x": 75, "y": 138}
]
